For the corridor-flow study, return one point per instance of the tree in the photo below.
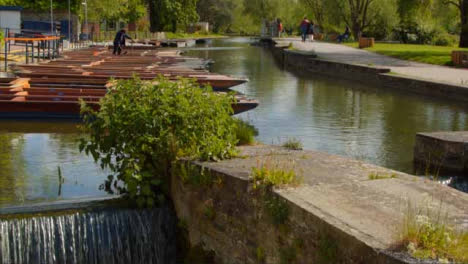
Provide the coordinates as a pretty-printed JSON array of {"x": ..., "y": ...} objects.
[
  {"x": 462, "y": 5},
  {"x": 168, "y": 14},
  {"x": 318, "y": 10},
  {"x": 356, "y": 14},
  {"x": 219, "y": 13},
  {"x": 262, "y": 9},
  {"x": 43, "y": 5}
]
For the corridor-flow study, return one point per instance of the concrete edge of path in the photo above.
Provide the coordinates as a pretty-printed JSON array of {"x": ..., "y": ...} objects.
[{"x": 372, "y": 75}]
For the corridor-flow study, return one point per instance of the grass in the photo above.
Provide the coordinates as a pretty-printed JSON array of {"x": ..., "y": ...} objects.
[
  {"x": 376, "y": 176},
  {"x": 171, "y": 35},
  {"x": 293, "y": 144},
  {"x": 268, "y": 174},
  {"x": 421, "y": 53},
  {"x": 427, "y": 234}
]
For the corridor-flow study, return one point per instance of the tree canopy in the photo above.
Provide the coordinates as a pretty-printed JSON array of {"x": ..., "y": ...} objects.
[
  {"x": 168, "y": 14},
  {"x": 440, "y": 22}
]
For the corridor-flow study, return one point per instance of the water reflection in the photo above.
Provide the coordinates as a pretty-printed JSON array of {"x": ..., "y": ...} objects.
[
  {"x": 332, "y": 115},
  {"x": 30, "y": 163}
]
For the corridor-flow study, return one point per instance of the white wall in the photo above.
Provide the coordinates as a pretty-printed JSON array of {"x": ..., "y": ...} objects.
[{"x": 11, "y": 20}]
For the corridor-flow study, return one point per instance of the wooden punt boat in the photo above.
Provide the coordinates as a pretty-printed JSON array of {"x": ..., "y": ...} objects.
[
  {"x": 217, "y": 82},
  {"x": 53, "y": 91},
  {"x": 28, "y": 108}
]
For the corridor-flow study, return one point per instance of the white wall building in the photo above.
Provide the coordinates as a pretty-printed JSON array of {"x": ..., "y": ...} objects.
[{"x": 10, "y": 17}]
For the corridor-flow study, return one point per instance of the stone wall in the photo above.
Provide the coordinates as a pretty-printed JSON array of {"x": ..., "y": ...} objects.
[
  {"x": 442, "y": 151},
  {"x": 241, "y": 224}
]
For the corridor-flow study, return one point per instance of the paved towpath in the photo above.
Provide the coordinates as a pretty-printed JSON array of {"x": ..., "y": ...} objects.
[{"x": 345, "y": 54}]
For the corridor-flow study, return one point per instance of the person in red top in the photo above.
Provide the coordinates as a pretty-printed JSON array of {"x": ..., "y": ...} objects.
[
  {"x": 304, "y": 28},
  {"x": 280, "y": 27}
]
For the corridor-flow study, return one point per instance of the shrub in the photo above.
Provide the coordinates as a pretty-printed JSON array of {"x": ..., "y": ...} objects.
[
  {"x": 445, "y": 40},
  {"x": 142, "y": 128}
]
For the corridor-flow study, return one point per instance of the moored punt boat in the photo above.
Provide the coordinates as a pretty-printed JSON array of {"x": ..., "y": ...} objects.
[
  {"x": 23, "y": 107},
  {"x": 217, "y": 82},
  {"x": 32, "y": 107},
  {"x": 54, "y": 89}
]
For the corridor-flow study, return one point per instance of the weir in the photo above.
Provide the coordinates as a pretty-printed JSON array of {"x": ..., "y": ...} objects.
[{"x": 104, "y": 236}]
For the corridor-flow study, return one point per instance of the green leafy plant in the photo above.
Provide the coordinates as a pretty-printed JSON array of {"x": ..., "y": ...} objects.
[
  {"x": 428, "y": 234},
  {"x": 293, "y": 144},
  {"x": 143, "y": 127},
  {"x": 245, "y": 132}
]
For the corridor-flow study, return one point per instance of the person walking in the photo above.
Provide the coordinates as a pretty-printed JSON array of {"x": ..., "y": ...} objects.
[
  {"x": 310, "y": 31},
  {"x": 280, "y": 27},
  {"x": 304, "y": 27},
  {"x": 119, "y": 41}
]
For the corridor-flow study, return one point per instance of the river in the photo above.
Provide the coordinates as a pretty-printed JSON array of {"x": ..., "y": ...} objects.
[{"x": 330, "y": 115}]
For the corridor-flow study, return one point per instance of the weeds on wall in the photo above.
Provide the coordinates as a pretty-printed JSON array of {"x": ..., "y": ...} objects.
[
  {"x": 427, "y": 233},
  {"x": 293, "y": 144},
  {"x": 381, "y": 176},
  {"x": 270, "y": 174},
  {"x": 277, "y": 209}
]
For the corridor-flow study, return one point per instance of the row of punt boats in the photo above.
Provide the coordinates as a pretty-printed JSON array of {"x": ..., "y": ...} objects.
[{"x": 53, "y": 89}]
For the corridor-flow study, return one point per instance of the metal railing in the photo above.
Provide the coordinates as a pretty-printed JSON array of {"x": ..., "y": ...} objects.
[{"x": 35, "y": 48}]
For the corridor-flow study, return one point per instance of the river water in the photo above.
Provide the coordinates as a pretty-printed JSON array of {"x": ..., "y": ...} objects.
[
  {"x": 335, "y": 116},
  {"x": 331, "y": 115}
]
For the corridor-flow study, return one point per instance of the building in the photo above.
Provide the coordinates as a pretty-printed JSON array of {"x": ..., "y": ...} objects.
[{"x": 10, "y": 18}]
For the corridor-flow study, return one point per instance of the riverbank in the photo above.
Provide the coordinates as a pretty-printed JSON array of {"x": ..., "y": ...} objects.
[{"x": 360, "y": 65}]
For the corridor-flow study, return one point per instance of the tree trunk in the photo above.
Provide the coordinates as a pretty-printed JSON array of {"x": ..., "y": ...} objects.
[
  {"x": 464, "y": 24},
  {"x": 357, "y": 31},
  {"x": 154, "y": 15}
]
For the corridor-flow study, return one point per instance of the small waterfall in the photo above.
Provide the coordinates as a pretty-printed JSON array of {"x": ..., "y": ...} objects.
[{"x": 109, "y": 236}]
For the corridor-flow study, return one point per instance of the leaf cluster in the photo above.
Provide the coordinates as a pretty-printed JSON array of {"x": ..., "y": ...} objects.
[{"x": 143, "y": 127}]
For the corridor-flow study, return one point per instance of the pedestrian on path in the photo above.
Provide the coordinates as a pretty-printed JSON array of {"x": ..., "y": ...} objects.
[
  {"x": 310, "y": 31},
  {"x": 304, "y": 27},
  {"x": 280, "y": 27},
  {"x": 119, "y": 41}
]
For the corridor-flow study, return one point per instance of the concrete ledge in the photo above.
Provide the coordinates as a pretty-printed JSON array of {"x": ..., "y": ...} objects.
[
  {"x": 369, "y": 75},
  {"x": 447, "y": 151},
  {"x": 57, "y": 206},
  {"x": 337, "y": 215}
]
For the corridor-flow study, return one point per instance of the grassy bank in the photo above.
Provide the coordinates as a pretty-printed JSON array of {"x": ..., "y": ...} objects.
[
  {"x": 421, "y": 53},
  {"x": 171, "y": 35}
]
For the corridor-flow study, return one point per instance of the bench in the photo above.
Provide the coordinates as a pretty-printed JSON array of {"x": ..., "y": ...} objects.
[
  {"x": 318, "y": 36},
  {"x": 366, "y": 42},
  {"x": 460, "y": 58}
]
